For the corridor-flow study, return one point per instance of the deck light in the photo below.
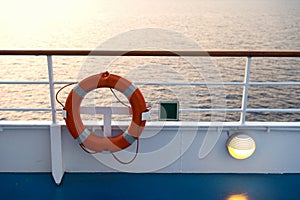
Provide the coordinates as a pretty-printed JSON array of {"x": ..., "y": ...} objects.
[{"x": 240, "y": 146}]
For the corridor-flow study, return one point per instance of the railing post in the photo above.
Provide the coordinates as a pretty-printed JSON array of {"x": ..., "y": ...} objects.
[
  {"x": 57, "y": 165},
  {"x": 55, "y": 131},
  {"x": 51, "y": 87},
  {"x": 245, "y": 91},
  {"x": 107, "y": 122}
]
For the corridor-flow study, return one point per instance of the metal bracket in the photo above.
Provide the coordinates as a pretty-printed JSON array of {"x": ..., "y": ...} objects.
[
  {"x": 64, "y": 114},
  {"x": 146, "y": 115}
]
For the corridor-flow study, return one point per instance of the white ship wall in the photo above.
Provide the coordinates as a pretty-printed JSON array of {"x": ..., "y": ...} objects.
[{"x": 26, "y": 147}]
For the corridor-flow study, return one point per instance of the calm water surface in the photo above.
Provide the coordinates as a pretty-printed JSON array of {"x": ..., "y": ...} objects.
[{"x": 229, "y": 24}]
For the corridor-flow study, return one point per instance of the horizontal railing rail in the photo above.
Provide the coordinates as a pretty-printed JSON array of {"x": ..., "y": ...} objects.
[
  {"x": 159, "y": 83},
  {"x": 213, "y": 53}
]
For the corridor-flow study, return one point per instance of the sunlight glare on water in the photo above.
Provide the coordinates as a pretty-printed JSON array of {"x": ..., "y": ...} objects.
[{"x": 228, "y": 24}]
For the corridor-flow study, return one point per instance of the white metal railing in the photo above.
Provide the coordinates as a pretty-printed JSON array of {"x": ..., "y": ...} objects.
[
  {"x": 246, "y": 83},
  {"x": 245, "y": 90},
  {"x": 51, "y": 88}
]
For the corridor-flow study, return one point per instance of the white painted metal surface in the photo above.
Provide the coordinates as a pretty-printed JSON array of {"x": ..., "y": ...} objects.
[
  {"x": 57, "y": 166},
  {"x": 43, "y": 147}
]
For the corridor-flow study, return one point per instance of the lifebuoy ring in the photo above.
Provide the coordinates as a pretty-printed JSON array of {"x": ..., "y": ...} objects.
[{"x": 90, "y": 140}]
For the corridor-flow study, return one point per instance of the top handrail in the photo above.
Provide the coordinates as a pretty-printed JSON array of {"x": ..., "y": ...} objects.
[{"x": 213, "y": 53}]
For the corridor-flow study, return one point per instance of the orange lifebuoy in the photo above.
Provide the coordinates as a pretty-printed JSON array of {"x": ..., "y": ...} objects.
[{"x": 91, "y": 140}]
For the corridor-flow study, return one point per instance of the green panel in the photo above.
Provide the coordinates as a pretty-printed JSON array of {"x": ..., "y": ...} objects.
[{"x": 168, "y": 111}]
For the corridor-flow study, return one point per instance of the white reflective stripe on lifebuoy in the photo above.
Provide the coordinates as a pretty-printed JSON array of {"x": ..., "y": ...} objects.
[
  {"x": 130, "y": 90},
  {"x": 128, "y": 137},
  {"x": 83, "y": 136},
  {"x": 80, "y": 91}
]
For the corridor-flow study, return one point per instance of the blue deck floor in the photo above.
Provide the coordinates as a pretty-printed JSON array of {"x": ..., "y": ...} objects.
[{"x": 150, "y": 186}]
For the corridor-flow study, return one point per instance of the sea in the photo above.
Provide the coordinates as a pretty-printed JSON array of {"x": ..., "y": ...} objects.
[{"x": 156, "y": 24}]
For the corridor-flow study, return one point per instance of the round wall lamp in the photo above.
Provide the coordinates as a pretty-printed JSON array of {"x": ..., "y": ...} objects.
[{"x": 240, "y": 146}]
